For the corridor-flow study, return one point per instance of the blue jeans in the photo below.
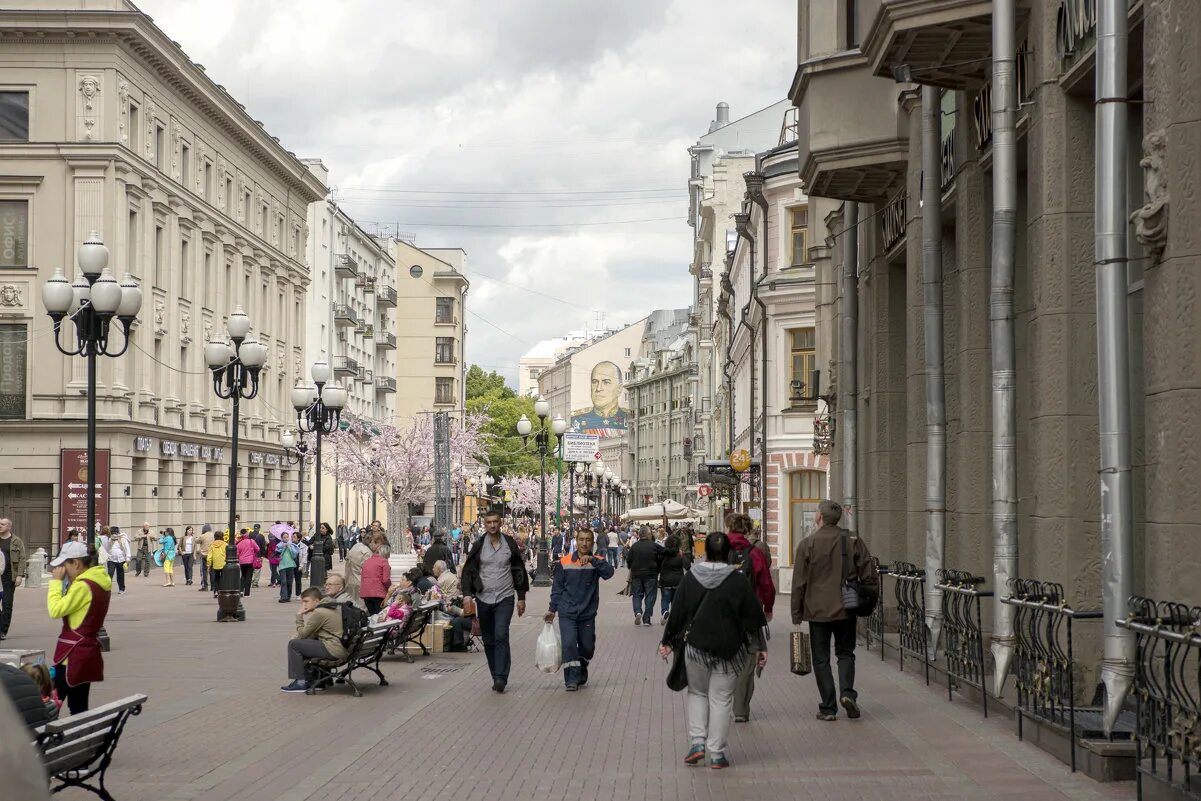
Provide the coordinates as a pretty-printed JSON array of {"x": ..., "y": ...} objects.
[
  {"x": 612, "y": 555},
  {"x": 285, "y": 582},
  {"x": 643, "y": 590},
  {"x": 494, "y": 631},
  {"x": 579, "y": 644},
  {"x": 668, "y": 594}
]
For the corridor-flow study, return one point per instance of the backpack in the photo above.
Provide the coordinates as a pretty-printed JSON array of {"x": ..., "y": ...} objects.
[
  {"x": 353, "y": 620},
  {"x": 743, "y": 562}
]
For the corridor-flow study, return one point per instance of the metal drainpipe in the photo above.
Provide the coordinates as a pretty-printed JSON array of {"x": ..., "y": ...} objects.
[
  {"x": 1113, "y": 355},
  {"x": 936, "y": 403},
  {"x": 848, "y": 346},
  {"x": 1004, "y": 413},
  {"x": 760, "y": 200}
]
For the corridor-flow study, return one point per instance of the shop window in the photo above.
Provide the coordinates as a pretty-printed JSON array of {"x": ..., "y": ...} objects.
[{"x": 805, "y": 490}]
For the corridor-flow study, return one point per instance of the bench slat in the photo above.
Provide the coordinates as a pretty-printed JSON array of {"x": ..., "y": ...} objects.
[
  {"x": 62, "y": 725},
  {"x": 75, "y": 753}
]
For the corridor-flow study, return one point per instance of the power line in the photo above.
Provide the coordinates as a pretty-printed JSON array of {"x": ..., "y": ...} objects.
[
  {"x": 521, "y": 226},
  {"x": 501, "y": 192},
  {"x": 515, "y": 204}
]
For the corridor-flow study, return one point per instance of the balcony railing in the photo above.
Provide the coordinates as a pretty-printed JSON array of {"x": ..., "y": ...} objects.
[
  {"x": 344, "y": 267},
  {"x": 385, "y": 383},
  {"x": 344, "y": 315},
  {"x": 370, "y": 285},
  {"x": 385, "y": 340},
  {"x": 789, "y": 129},
  {"x": 385, "y": 295},
  {"x": 345, "y": 366}
]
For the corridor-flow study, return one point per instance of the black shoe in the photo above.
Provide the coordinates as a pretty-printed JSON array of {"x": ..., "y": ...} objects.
[
  {"x": 3, "y": 636},
  {"x": 826, "y": 716},
  {"x": 850, "y": 705},
  {"x": 297, "y": 686},
  {"x": 285, "y": 600},
  {"x": 498, "y": 686}
]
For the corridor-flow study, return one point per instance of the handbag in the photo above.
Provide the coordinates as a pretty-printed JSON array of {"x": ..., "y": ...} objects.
[
  {"x": 800, "y": 653},
  {"x": 677, "y": 674},
  {"x": 469, "y": 607},
  {"x": 857, "y": 598}
]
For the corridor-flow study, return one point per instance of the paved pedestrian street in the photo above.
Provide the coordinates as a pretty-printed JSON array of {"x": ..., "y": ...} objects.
[{"x": 217, "y": 727}]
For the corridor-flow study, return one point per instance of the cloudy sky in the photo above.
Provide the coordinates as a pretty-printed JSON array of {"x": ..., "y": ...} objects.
[{"x": 548, "y": 138}]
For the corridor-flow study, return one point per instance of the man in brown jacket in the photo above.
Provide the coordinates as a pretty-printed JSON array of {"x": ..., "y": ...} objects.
[
  {"x": 318, "y": 636},
  {"x": 817, "y": 580}
]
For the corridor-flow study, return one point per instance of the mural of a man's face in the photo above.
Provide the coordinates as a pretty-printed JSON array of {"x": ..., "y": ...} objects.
[{"x": 606, "y": 386}]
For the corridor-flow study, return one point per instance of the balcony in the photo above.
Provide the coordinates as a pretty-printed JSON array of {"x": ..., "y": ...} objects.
[
  {"x": 853, "y": 142},
  {"x": 345, "y": 316},
  {"x": 385, "y": 340},
  {"x": 362, "y": 374},
  {"x": 361, "y": 328},
  {"x": 345, "y": 366},
  {"x": 344, "y": 267},
  {"x": 369, "y": 285},
  {"x": 368, "y": 332},
  {"x": 944, "y": 43},
  {"x": 385, "y": 295},
  {"x": 360, "y": 282},
  {"x": 385, "y": 383}
]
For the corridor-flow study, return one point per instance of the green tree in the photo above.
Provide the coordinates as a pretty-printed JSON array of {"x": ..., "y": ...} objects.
[{"x": 479, "y": 384}]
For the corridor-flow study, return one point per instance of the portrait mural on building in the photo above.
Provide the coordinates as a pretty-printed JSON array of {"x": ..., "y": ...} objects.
[{"x": 607, "y": 417}]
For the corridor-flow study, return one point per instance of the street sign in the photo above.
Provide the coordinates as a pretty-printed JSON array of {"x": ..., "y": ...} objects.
[
  {"x": 73, "y": 492},
  {"x": 704, "y": 490},
  {"x": 581, "y": 447}
]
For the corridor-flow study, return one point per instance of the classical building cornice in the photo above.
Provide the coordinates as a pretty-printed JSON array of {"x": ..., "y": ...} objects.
[{"x": 137, "y": 34}]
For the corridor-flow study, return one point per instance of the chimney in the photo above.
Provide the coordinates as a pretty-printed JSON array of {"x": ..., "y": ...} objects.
[{"x": 723, "y": 117}]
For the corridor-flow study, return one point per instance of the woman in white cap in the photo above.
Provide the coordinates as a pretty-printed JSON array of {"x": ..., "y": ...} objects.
[{"x": 77, "y": 657}]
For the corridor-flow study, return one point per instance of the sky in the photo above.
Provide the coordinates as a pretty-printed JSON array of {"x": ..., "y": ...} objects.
[{"x": 547, "y": 138}]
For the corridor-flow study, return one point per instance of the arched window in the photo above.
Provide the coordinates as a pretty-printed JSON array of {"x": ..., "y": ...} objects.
[{"x": 805, "y": 490}]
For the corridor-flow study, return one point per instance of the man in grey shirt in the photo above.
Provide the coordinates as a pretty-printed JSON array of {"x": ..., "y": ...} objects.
[{"x": 493, "y": 574}]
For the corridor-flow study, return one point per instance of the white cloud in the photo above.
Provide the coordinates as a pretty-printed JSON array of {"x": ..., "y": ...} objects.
[{"x": 513, "y": 95}]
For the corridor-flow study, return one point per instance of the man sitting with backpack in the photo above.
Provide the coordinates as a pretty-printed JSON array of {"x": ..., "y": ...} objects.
[
  {"x": 754, "y": 563},
  {"x": 323, "y": 628}
]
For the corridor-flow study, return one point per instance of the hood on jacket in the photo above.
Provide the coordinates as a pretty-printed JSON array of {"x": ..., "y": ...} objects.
[
  {"x": 738, "y": 541},
  {"x": 99, "y": 575},
  {"x": 711, "y": 574}
]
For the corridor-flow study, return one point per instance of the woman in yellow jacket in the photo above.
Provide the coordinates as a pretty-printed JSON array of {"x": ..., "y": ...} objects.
[
  {"x": 216, "y": 558},
  {"x": 78, "y": 660}
]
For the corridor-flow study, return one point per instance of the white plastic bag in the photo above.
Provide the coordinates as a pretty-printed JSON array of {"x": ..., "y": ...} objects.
[{"x": 548, "y": 654}]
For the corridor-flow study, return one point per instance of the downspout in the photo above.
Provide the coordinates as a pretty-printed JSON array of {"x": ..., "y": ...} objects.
[
  {"x": 936, "y": 403},
  {"x": 728, "y": 367},
  {"x": 848, "y": 346},
  {"x": 1004, "y": 413},
  {"x": 754, "y": 183},
  {"x": 1113, "y": 355},
  {"x": 742, "y": 222}
]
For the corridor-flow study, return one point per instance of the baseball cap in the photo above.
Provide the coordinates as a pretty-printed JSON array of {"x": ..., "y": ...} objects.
[{"x": 71, "y": 550}]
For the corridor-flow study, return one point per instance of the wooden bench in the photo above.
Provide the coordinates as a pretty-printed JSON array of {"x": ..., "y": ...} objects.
[
  {"x": 365, "y": 651},
  {"x": 79, "y": 748},
  {"x": 410, "y": 633}
]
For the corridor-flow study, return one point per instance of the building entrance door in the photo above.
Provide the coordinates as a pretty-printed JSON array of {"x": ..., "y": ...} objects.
[{"x": 30, "y": 507}]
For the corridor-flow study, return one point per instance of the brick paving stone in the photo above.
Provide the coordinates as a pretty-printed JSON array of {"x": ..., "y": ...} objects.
[{"x": 217, "y": 727}]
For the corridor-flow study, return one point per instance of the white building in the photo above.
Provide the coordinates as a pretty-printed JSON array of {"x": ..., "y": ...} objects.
[
  {"x": 660, "y": 390},
  {"x": 110, "y": 127},
  {"x": 543, "y": 355},
  {"x": 716, "y": 190},
  {"x": 352, "y": 326}
]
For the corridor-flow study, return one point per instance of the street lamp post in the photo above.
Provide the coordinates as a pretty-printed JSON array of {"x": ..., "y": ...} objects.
[
  {"x": 594, "y": 479},
  {"x": 542, "y": 574},
  {"x": 574, "y": 469},
  {"x": 91, "y": 303},
  {"x": 318, "y": 410},
  {"x": 235, "y": 377},
  {"x": 295, "y": 451}
]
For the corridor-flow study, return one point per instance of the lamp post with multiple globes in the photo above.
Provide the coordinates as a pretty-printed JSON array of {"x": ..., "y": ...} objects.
[
  {"x": 558, "y": 426},
  {"x": 318, "y": 410}
]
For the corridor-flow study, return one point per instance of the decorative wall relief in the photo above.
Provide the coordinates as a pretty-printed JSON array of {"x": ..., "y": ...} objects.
[
  {"x": 151, "y": 112},
  {"x": 208, "y": 330},
  {"x": 160, "y": 318},
  {"x": 10, "y": 296},
  {"x": 1151, "y": 221},
  {"x": 185, "y": 328},
  {"x": 175, "y": 149},
  {"x": 223, "y": 202},
  {"x": 89, "y": 91},
  {"x": 123, "y": 99}
]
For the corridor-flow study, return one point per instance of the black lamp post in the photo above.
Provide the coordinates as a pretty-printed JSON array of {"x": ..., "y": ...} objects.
[
  {"x": 318, "y": 410},
  {"x": 235, "y": 371},
  {"x": 91, "y": 303},
  {"x": 573, "y": 469},
  {"x": 542, "y": 574},
  {"x": 295, "y": 452}
]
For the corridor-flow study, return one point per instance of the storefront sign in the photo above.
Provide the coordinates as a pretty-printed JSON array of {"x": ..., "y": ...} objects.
[
  {"x": 256, "y": 457},
  {"x": 14, "y": 233},
  {"x": 892, "y": 219},
  {"x": 73, "y": 490},
  {"x": 142, "y": 444},
  {"x": 581, "y": 447},
  {"x": 189, "y": 449},
  {"x": 169, "y": 448},
  {"x": 206, "y": 451},
  {"x": 271, "y": 459},
  {"x": 1075, "y": 27}
]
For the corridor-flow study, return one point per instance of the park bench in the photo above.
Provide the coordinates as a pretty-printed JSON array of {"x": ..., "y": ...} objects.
[
  {"x": 78, "y": 748},
  {"x": 365, "y": 651},
  {"x": 410, "y": 633}
]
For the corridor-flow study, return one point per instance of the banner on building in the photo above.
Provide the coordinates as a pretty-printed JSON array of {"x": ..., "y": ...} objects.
[{"x": 581, "y": 447}]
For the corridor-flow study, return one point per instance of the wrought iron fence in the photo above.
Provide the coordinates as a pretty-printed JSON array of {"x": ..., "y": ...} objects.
[
  {"x": 911, "y": 613},
  {"x": 963, "y": 636},
  {"x": 1167, "y": 690},
  {"x": 873, "y": 625}
]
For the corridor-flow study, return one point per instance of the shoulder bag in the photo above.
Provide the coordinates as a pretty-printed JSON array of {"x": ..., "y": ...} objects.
[
  {"x": 677, "y": 675},
  {"x": 857, "y": 598}
]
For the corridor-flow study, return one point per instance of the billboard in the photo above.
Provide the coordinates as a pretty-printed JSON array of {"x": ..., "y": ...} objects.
[{"x": 598, "y": 374}]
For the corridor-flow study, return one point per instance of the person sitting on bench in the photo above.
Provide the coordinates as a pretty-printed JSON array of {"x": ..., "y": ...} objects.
[{"x": 318, "y": 636}]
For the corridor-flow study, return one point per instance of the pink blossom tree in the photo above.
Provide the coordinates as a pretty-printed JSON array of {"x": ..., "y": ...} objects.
[
  {"x": 526, "y": 496},
  {"x": 397, "y": 463}
]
